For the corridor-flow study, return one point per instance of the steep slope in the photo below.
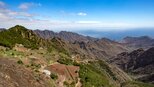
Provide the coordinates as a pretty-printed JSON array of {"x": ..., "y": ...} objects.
[
  {"x": 86, "y": 46},
  {"x": 139, "y": 63},
  {"x": 81, "y": 61},
  {"x": 100, "y": 49},
  {"x": 14, "y": 75},
  {"x": 139, "y": 42},
  {"x": 97, "y": 73}
]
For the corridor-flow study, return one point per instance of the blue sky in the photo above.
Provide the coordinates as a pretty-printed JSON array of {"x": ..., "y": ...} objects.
[{"x": 75, "y": 15}]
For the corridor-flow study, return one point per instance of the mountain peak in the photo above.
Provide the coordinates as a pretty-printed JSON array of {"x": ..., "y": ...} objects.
[
  {"x": 19, "y": 35},
  {"x": 18, "y": 27}
]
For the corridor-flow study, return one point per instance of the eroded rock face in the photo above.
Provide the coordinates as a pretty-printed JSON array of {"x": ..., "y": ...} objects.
[
  {"x": 15, "y": 75},
  {"x": 146, "y": 58},
  {"x": 87, "y": 46},
  {"x": 139, "y": 62}
]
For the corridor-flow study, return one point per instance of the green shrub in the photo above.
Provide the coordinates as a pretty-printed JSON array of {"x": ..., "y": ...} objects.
[
  {"x": 68, "y": 61},
  {"x": 20, "y": 62},
  {"x": 66, "y": 83},
  {"x": 69, "y": 85},
  {"x": 35, "y": 66},
  {"x": 65, "y": 61},
  {"x": 53, "y": 76}
]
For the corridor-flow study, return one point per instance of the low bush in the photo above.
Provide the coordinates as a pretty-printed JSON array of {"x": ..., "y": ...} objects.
[
  {"x": 53, "y": 76},
  {"x": 20, "y": 62}
]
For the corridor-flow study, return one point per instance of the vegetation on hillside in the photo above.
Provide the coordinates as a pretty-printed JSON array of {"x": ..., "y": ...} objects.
[
  {"x": 92, "y": 74},
  {"x": 99, "y": 74},
  {"x": 20, "y": 35},
  {"x": 57, "y": 45}
]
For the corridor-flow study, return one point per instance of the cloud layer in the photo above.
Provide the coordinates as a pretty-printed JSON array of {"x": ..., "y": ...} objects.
[
  {"x": 9, "y": 18},
  {"x": 26, "y": 6}
]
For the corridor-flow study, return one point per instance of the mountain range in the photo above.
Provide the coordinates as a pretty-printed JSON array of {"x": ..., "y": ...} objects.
[
  {"x": 90, "y": 47},
  {"x": 88, "y": 61}
]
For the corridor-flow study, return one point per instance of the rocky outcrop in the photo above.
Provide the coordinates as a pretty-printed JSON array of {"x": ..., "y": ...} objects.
[{"x": 139, "y": 63}]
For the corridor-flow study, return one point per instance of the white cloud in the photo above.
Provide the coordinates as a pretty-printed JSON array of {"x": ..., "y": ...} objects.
[
  {"x": 25, "y": 6},
  {"x": 12, "y": 13},
  {"x": 88, "y": 22},
  {"x": 2, "y": 4},
  {"x": 9, "y": 18},
  {"x": 72, "y": 13},
  {"x": 82, "y": 14}
]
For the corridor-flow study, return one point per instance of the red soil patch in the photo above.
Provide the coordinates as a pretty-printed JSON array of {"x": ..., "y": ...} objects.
[{"x": 70, "y": 72}]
